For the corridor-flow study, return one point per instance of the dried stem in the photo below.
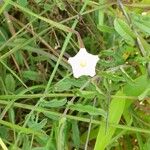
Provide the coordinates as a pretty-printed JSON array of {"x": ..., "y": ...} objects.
[
  {"x": 39, "y": 37},
  {"x": 12, "y": 31}
]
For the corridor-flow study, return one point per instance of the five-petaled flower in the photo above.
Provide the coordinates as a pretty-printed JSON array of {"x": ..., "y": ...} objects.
[{"x": 83, "y": 63}]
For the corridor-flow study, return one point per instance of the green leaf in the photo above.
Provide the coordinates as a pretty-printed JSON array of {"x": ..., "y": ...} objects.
[
  {"x": 3, "y": 35},
  {"x": 19, "y": 58},
  {"x": 75, "y": 134},
  {"x": 48, "y": 7},
  {"x": 61, "y": 136},
  {"x": 143, "y": 26},
  {"x": 26, "y": 143},
  {"x": 112, "y": 76},
  {"x": 37, "y": 126},
  {"x": 142, "y": 22},
  {"x": 146, "y": 45},
  {"x": 11, "y": 114},
  {"x": 88, "y": 109},
  {"x": 80, "y": 82},
  {"x": 138, "y": 86},
  {"x": 23, "y": 3},
  {"x": 116, "y": 109},
  {"x": 104, "y": 28},
  {"x": 50, "y": 142},
  {"x": 147, "y": 145},
  {"x": 63, "y": 85},
  {"x": 86, "y": 94},
  {"x": 4, "y": 132},
  {"x": 54, "y": 103},
  {"x": 10, "y": 83},
  {"x": 124, "y": 31},
  {"x": 31, "y": 75},
  {"x": 52, "y": 117}
]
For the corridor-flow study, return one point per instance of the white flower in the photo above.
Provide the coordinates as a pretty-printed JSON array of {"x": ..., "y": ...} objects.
[{"x": 83, "y": 63}]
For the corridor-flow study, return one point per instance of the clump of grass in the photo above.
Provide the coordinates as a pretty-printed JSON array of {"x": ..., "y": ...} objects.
[{"x": 43, "y": 106}]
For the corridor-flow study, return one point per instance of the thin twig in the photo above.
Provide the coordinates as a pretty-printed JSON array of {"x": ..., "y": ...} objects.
[{"x": 89, "y": 128}]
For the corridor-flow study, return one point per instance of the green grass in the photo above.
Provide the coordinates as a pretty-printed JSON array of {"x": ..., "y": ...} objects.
[{"x": 43, "y": 107}]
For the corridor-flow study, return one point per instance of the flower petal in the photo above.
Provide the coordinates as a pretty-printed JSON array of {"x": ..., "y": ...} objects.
[{"x": 83, "y": 63}]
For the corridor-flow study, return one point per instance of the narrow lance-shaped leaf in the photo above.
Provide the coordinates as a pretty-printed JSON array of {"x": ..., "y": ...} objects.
[
  {"x": 75, "y": 134},
  {"x": 124, "y": 31},
  {"x": 54, "y": 103},
  {"x": 88, "y": 109},
  {"x": 61, "y": 134},
  {"x": 115, "y": 110}
]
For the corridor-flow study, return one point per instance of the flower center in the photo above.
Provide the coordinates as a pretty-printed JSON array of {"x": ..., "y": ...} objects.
[{"x": 83, "y": 63}]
